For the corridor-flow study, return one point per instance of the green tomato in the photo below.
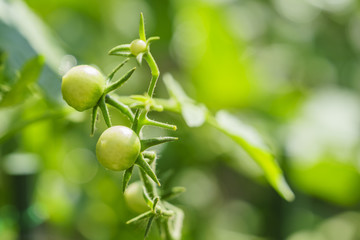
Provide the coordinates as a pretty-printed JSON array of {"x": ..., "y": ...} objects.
[
  {"x": 82, "y": 86},
  {"x": 118, "y": 148},
  {"x": 137, "y": 46},
  {"x": 134, "y": 198}
]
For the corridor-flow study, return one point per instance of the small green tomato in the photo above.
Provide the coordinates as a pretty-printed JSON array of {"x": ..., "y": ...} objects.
[
  {"x": 82, "y": 86},
  {"x": 118, "y": 148},
  {"x": 137, "y": 46},
  {"x": 134, "y": 198}
]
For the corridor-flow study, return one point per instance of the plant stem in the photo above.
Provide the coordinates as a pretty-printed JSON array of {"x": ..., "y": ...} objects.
[{"x": 168, "y": 104}]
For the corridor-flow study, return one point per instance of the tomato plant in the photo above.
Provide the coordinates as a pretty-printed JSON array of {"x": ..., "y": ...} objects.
[{"x": 122, "y": 148}]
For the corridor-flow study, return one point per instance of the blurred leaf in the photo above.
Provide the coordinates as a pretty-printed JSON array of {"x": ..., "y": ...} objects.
[
  {"x": 173, "y": 193},
  {"x": 2, "y": 66},
  {"x": 194, "y": 114},
  {"x": 318, "y": 180},
  {"x": 20, "y": 126},
  {"x": 29, "y": 74},
  {"x": 175, "y": 223},
  {"x": 23, "y": 35},
  {"x": 250, "y": 140}
]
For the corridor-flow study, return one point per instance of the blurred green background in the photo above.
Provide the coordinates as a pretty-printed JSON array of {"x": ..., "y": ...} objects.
[{"x": 288, "y": 67}]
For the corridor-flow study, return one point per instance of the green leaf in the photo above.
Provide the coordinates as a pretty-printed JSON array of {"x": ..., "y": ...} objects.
[
  {"x": 194, "y": 114},
  {"x": 251, "y": 141},
  {"x": 29, "y": 74}
]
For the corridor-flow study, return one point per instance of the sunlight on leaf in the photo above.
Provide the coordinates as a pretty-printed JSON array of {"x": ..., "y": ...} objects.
[
  {"x": 248, "y": 138},
  {"x": 194, "y": 114}
]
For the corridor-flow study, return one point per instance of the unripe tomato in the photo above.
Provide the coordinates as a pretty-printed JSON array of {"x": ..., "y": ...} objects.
[
  {"x": 82, "y": 86},
  {"x": 118, "y": 148},
  {"x": 134, "y": 198},
  {"x": 137, "y": 46}
]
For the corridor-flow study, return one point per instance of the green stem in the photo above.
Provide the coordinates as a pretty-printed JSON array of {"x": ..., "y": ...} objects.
[
  {"x": 168, "y": 104},
  {"x": 120, "y": 106}
]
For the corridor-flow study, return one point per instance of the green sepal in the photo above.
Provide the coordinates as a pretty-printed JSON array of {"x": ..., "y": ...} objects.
[
  {"x": 151, "y": 122},
  {"x": 93, "y": 120},
  {"x": 105, "y": 111},
  {"x": 142, "y": 28},
  {"x": 127, "y": 176},
  {"x": 175, "y": 191},
  {"x": 111, "y": 75},
  {"x": 140, "y": 57},
  {"x": 155, "y": 202},
  {"x": 147, "y": 198},
  {"x": 120, "y": 106},
  {"x": 148, "y": 226},
  {"x": 121, "y": 50},
  {"x": 146, "y": 143},
  {"x": 150, "y": 156},
  {"x": 150, "y": 40},
  {"x": 147, "y": 169},
  {"x": 122, "y": 54},
  {"x": 135, "y": 123},
  {"x": 148, "y": 184},
  {"x": 140, "y": 217},
  {"x": 119, "y": 82}
]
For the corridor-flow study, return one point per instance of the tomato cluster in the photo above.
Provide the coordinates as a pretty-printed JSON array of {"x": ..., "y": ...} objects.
[{"x": 118, "y": 147}]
